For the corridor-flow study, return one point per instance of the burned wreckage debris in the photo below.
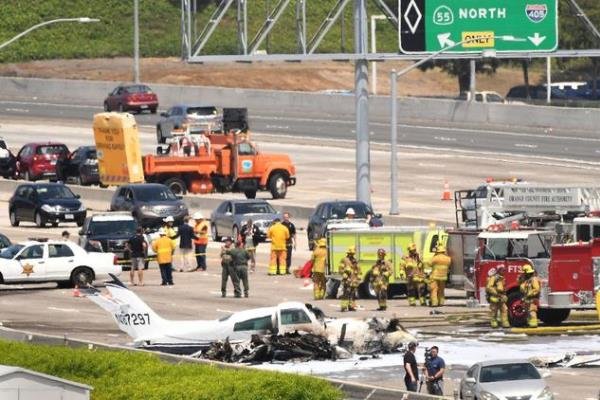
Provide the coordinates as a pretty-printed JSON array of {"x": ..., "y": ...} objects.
[{"x": 340, "y": 340}]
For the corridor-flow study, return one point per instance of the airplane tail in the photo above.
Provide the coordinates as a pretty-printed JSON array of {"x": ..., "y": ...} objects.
[{"x": 132, "y": 315}]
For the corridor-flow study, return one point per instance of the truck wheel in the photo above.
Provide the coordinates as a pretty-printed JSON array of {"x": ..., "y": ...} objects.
[
  {"x": 176, "y": 185},
  {"x": 517, "y": 313},
  {"x": 553, "y": 316},
  {"x": 366, "y": 289},
  {"x": 250, "y": 194},
  {"x": 213, "y": 231},
  {"x": 278, "y": 186}
]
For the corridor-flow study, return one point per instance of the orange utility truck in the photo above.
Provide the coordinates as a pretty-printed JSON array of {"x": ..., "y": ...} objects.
[{"x": 219, "y": 162}]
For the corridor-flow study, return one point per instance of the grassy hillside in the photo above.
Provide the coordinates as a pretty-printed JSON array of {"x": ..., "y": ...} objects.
[
  {"x": 135, "y": 376},
  {"x": 159, "y": 28}
]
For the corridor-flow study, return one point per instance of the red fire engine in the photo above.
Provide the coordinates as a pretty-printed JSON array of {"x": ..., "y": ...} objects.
[{"x": 569, "y": 273}]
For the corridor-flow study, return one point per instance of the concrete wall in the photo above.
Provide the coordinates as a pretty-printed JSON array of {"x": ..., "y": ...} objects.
[{"x": 285, "y": 103}]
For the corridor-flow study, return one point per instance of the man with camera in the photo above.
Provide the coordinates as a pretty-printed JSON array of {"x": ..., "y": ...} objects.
[{"x": 434, "y": 371}]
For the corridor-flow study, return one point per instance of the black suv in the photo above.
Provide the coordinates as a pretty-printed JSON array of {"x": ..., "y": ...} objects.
[
  {"x": 331, "y": 210},
  {"x": 79, "y": 167},
  {"x": 44, "y": 203},
  {"x": 108, "y": 232},
  {"x": 149, "y": 203}
]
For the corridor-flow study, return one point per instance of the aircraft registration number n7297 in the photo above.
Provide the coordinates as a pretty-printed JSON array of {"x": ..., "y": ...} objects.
[{"x": 133, "y": 319}]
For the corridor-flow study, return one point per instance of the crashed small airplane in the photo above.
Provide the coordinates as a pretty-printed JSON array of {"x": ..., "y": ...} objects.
[{"x": 149, "y": 331}]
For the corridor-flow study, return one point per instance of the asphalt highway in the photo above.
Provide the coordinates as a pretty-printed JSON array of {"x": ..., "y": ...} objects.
[{"x": 542, "y": 142}]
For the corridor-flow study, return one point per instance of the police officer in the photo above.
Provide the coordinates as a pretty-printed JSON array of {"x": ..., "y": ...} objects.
[
  {"x": 240, "y": 257},
  {"x": 350, "y": 280},
  {"x": 415, "y": 277},
  {"x": 529, "y": 285},
  {"x": 495, "y": 290},
  {"x": 318, "y": 259},
  {"x": 228, "y": 270},
  {"x": 380, "y": 276},
  {"x": 440, "y": 265}
]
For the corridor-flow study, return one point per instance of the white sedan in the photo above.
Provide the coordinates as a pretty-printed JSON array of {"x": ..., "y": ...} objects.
[{"x": 54, "y": 261}]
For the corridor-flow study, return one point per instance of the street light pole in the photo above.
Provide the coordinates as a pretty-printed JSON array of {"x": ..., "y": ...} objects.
[
  {"x": 394, "y": 108},
  {"x": 82, "y": 20},
  {"x": 374, "y": 19}
]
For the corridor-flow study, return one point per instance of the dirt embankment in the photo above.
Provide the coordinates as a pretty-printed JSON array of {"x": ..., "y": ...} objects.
[{"x": 308, "y": 76}]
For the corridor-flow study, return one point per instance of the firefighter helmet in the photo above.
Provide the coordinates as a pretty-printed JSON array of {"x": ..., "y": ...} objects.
[
  {"x": 322, "y": 242},
  {"x": 351, "y": 250},
  {"x": 381, "y": 253},
  {"x": 440, "y": 248},
  {"x": 412, "y": 247},
  {"x": 528, "y": 269},
  {"x": 501, "y": 270}
]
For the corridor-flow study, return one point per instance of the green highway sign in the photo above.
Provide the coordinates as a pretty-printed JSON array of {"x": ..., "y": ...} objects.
[{"x": 427, "y": 26}]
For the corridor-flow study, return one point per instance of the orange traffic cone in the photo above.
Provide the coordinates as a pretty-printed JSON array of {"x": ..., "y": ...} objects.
[
  {"x": 76, "y": 292},
  {"x": 446, "y": 193}
]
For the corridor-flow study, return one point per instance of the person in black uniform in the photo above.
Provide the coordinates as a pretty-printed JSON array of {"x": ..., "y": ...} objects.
[
  {"x": 411, "y": 378},
  {"x": 291, "y": 242}
]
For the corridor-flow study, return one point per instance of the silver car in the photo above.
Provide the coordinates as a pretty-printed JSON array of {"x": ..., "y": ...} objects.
[
  {"x": 229, "y": 217},
  {"x": 504, "y": 380},
  {"x": 188, "y": 119}
]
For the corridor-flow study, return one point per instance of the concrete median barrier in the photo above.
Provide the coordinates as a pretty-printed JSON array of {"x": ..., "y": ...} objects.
[{"x": 289, "y": 104}]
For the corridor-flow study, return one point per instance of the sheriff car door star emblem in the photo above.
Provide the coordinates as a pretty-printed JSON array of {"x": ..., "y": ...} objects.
[{"x": 27, "y": 269}]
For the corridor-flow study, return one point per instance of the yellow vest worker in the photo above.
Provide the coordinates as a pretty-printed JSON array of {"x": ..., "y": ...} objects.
[
  {"x": 279, "y": 235},
  {"x": 164, "y": 248},
  {"x": 319, "y": 259},
  {"x": 440, "y": 265}
]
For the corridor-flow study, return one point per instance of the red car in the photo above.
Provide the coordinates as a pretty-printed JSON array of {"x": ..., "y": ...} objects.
[
  {"x": 38, "y": 160},
  {"x": 131, "y": 98}
]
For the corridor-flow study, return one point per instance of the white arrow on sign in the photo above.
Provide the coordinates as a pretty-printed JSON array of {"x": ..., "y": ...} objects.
[
  {"x": 536, "y": 39},
  {"x": 444, "y": 39}
]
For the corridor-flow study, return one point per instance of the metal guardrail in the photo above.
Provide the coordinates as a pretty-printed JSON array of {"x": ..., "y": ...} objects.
[{"x": 352, "y": 391}]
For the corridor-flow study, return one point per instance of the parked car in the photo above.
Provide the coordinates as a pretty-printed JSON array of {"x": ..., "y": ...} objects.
[
  {"x": 131, "y": 98},
  {"x": 44, "y": 203},
  {"x": 187, "y": 118},
  {"x": 4, "y": 241},
  {"x": 8, "y": 162},
  {"x": 108, "y": 232},
  {"x": 149, "y": 203},
  {"x": 79, "y": 167},
  {"x": 54, "y": 261},
  {"x": 504, "y": 379},
  {"x": 331, "y": 215},
  {"x": 38, "y": 160},
  {"x": 227, "y": 219}
]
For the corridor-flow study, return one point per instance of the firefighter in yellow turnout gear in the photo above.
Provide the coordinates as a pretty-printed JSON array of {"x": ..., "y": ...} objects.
[
  {"x": 440, "y": 265},
  {"x": 412, "y": 266},
  {"x": 529, "y": 284},
  {"x": 495, "y": 290},
  {"x": 380, "y": 277},
  {"x": 350, "y": 280},
  {"x": 319, "y": 259}
]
